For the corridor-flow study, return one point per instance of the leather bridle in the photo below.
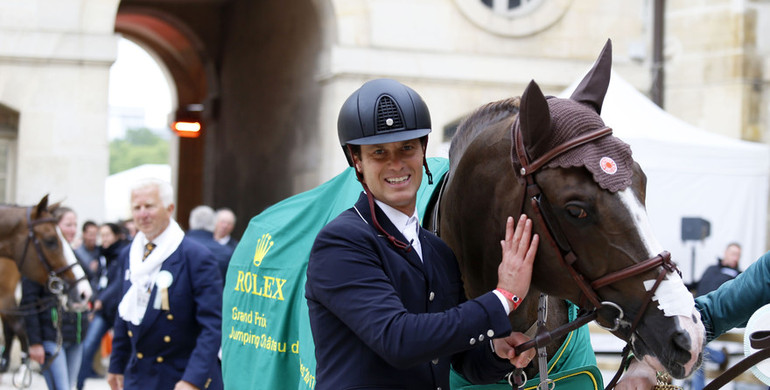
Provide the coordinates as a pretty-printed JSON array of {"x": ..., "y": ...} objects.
[
  {"x": 590, "y": 299},
  {"x": 55, "y": 283}
]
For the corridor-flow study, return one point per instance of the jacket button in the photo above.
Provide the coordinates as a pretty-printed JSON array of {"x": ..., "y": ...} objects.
[
  {"x": 159, "y": 359},
  {"x": 434, "y": 361},
  {"x": 473, "y": 341},
  {"x": 167, "y": 339},
  {"x": 170, "y": 317},
  {"x": 431, "y": 296},
  {"x": 130, "y": 333},
  {"x": 490, "y": 333},
  {"x": 139, "y": 355},
  {"x": 481, "y": 337}
]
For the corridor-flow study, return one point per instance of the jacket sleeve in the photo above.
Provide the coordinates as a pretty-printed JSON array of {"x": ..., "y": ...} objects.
[
  {"x": 207, "y": 294},
  {"x": 30, "y": 294},
  {"x": 732, "y": 304},
  {"x": 346, "y": 276}
]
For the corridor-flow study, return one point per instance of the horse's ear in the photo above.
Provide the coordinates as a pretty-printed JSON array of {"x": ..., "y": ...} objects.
[
  {"x": 592, "y": 89},
  {"x": 42, "y": 206},
  {"x": 534, "y": 120}
]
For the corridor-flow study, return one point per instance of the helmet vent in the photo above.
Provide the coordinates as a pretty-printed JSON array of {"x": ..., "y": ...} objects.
[{"x": 388, "y": 115}]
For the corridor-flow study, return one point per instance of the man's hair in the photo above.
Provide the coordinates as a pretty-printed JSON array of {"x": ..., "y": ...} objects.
[
  {"x": 88, "y": 224},
  {"x": 202, "y": 217},
  {"x": 735, "y": 244},
  {"x": 223, "y": 210},
  {"x": 165, "y": 190}
]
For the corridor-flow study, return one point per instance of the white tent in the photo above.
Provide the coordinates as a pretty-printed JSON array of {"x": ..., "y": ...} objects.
[{"x": 692, "y": 173}]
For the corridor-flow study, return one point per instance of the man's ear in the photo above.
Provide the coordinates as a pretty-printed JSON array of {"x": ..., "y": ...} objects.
[{"x": 356, "y": 163}]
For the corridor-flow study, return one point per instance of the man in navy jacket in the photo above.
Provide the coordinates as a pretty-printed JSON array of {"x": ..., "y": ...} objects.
[
  {"x": 385, "y": 297},
  {"x": 167, "y": 332}
]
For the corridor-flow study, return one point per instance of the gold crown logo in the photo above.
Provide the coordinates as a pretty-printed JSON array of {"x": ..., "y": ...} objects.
[{"x": 263, "y": 245}]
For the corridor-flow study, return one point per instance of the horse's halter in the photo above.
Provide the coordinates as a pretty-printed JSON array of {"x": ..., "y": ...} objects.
[
  {"x": 559, "y": 243},
  {"x": 55, "y": 283}
]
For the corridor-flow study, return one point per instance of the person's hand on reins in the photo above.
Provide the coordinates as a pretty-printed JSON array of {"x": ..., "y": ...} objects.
[{"x": 515, "y": 270}]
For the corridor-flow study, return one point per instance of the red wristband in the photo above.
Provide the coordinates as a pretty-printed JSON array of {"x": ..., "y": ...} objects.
[{"x": 511, "y": 297}]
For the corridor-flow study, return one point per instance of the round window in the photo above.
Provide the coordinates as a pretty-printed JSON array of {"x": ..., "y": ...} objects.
[{"x": 513, "y": 18}]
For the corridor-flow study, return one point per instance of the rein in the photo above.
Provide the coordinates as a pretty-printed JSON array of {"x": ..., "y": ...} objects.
[
  {"x": 556, "y": 239},
  {"x": 759, "y": 340}
]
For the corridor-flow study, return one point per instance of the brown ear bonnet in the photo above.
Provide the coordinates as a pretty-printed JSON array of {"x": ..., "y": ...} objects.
[{"x": 607, "y": 158}]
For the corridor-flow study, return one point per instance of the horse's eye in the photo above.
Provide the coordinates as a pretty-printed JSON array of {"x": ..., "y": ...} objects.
[
  {"x": 51, "y": 243},
  {"x": 576, "y": 211}
]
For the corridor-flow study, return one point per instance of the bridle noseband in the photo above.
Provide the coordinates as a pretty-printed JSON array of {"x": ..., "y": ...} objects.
[
  {"x": 555, "y": 238},
  {"x": 55, "y": 283}
]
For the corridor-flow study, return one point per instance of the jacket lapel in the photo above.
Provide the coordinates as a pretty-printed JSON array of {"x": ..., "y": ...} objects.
[
  {"x": 171, "y": 264},
  {"x": 362, "y": 205}
]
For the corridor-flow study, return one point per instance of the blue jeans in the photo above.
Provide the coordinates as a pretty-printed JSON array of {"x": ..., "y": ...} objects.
[
  {"x": 91, "y": 344},
  {"x": 698, "y": 380},
  {"x": 62, "y": 372}
]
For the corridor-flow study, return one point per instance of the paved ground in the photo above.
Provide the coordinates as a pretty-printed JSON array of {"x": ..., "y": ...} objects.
[{"x": 38, "y": 383}]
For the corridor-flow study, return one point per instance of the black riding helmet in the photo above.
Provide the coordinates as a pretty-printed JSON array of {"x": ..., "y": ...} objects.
[{"x": 381, "y": 111}]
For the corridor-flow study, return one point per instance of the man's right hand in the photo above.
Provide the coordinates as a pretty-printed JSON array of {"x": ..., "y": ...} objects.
[
  {"x": 115, "y": 381},
  {"x": 37, "y": 353},
  {"x": 515, "y": 270}
]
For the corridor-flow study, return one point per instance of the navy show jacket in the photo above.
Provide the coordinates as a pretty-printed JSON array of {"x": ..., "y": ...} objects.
[{"x": 381, "y": 319}]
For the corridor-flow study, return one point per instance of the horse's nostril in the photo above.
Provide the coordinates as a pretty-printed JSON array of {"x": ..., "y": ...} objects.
[{"x": 681, "y": 340}]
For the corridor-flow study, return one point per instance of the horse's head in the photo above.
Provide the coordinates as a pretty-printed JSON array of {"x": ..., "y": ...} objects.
[
  {"x": 45, "y": 256},
  {"x": 591, "y": 195}
]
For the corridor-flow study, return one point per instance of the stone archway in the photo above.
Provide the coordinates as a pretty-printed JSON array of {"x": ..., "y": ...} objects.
[
  {"x": 253, "y": 67},
  {"x": 194, "y": 82}
]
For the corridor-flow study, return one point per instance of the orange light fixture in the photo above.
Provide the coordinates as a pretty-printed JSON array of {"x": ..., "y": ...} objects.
[{"x": 187, "y": 129}]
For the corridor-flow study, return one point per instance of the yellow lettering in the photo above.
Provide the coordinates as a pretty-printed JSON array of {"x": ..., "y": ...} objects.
[
  {"x": 270, "y": 286},
  {"x": 279, "y": 289},
  {"x": 267, "y": 291},
  {"x": 256, "y": 292},
  {"x": 247, "y": 282},
  {"x": 239, "y": 282}
]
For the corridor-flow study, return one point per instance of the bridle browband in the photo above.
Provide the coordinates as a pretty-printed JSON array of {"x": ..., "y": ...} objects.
[
  {"x": 555, "y": 238},
  {"x": 55, "y": 283}
]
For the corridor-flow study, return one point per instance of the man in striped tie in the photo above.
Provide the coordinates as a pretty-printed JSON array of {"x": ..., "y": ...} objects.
[{"x": 167, "y": 333}]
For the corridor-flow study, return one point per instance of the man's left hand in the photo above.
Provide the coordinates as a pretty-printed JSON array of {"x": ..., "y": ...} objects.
[
  {"x": 184, "y": 385},
  {"x": 504, "y": 349}
]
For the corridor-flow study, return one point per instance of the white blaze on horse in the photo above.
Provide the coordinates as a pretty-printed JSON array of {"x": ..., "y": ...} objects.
[{"x": 556, "y": 161}]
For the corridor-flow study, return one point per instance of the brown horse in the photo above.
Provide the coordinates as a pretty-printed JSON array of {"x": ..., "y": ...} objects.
[
  {"x": 32, "y": 245},
  {"x": 556, "y": 161}
]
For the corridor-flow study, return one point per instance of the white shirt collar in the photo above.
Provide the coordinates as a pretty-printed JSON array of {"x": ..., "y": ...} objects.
[{"x": 409, "y": 226}]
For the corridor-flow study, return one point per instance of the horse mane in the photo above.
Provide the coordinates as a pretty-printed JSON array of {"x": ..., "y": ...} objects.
[{"x": 478, "y": 121}]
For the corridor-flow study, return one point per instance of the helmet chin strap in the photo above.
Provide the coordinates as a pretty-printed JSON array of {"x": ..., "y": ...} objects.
[{"x": 393, "y": 240}]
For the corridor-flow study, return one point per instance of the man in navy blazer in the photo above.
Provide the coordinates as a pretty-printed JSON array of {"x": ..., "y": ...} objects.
[
  {"x": 385, "y": 297},
  {"x": 167, "y": 333}
]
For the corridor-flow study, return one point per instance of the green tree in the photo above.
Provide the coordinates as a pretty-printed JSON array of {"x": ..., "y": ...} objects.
[{"x": 139, "y": 146}]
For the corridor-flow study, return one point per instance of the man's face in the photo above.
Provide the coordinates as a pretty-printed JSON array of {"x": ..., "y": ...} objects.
[
  {"x": 89, "y": 236},
  {"x": 147, "y": 210},
  {"x": 732, "y": 256},
  {"x": 225, "y": 224},
  {"x": 393, "y": 172}
]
